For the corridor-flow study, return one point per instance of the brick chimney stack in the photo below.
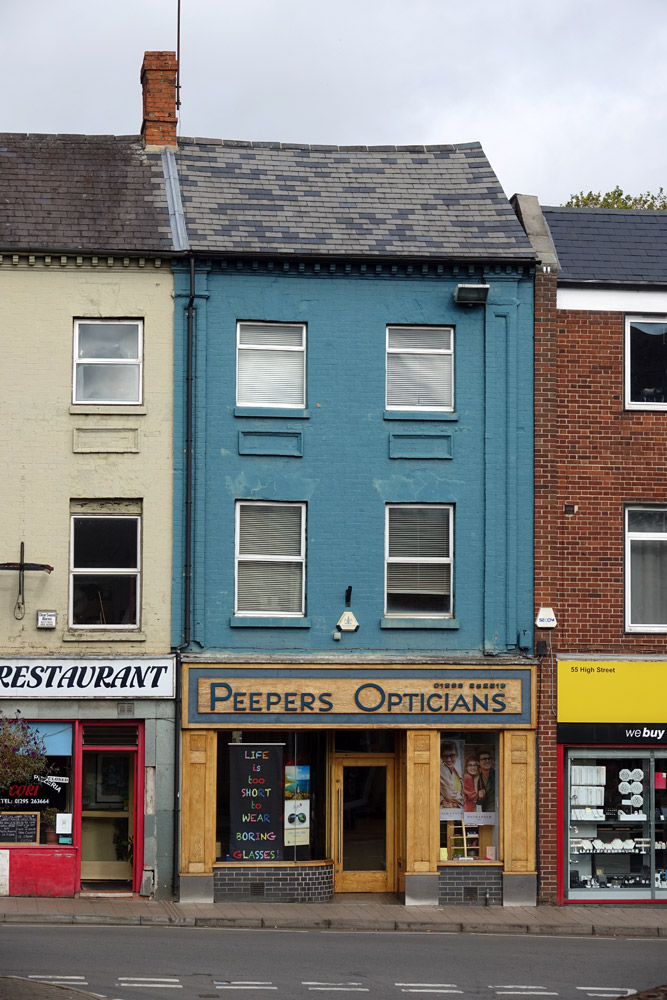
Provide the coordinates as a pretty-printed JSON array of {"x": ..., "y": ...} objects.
[{"x": 158, "y": 82}]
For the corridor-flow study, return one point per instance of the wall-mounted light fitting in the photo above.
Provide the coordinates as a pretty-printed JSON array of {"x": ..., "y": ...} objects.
[{"x": 471, "y": 295}]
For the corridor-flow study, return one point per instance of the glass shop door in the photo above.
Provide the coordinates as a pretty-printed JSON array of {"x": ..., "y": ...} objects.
[
  {"x": 363, "y": 824},
  {"x": 107, "y": 818}
]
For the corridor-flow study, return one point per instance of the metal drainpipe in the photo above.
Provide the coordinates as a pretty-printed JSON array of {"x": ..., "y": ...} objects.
[{"x": 187, "y": 567}]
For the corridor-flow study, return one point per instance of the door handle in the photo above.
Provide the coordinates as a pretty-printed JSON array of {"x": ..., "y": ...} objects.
[{"x": 340, "y": 825}]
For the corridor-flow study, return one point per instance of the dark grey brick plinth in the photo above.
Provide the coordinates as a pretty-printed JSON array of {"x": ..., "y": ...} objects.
[
  {"x": 470, "y": 886},
  {"x": 273, "y": 884}
]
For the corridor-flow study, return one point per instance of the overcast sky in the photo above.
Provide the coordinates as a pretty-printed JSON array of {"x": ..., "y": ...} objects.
[{"x": 563, "y": 96}]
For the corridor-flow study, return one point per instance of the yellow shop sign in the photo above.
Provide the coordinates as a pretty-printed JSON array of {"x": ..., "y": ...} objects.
[{"x": 622, "y": 691}]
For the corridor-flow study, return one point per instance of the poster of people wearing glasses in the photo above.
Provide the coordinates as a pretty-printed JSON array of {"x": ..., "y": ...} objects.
[
  {"x": 297, "y": 804},
  {"x": 467, "y": 781}
]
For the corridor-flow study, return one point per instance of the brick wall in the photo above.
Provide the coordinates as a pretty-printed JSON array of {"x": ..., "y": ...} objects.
[
  {"x": 594, "y": 455},
  {"x": 470, "y": 885},
  {"x": 307, "y": 884}
]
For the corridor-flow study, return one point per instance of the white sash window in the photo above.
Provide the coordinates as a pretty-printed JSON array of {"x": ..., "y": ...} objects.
[
  {"x": 107, "y": 361},
  {"x": 271, "y": 365},
  {"x": 105, "y": 552},
  {"x": 420, "y": 368},
  {"x": 419, "y": 560},
  {"x": 270, "y": 558},
  {"x": 646, "y": 569}
]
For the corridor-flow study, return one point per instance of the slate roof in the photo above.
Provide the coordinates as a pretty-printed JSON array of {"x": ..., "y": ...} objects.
[
  {"x": 616, "y": 246},
  {"x": 65, "y": 193},
  {"x": 398, "y": 201},
  {"x": 97, "y": 194}
]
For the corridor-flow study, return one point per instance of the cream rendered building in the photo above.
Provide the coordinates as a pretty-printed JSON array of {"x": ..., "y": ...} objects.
[
  {"x": 62, "y": 456},
  {"x": 86, "y": 448}
]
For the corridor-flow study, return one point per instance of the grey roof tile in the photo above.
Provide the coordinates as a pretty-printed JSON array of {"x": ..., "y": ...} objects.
[
  {"x": 612, "y": 245},
  {"x": 401, "y": 201},
  {"x": 69, "y": 193}
]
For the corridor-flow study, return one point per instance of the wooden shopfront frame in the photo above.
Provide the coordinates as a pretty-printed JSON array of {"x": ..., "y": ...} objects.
[{"x": 422, "y": 700}]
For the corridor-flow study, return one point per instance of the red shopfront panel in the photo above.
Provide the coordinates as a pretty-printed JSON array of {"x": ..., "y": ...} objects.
[{"x": 42, "y": 872}]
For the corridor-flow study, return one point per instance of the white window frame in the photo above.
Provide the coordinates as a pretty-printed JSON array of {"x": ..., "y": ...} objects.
[
  {"x": 299, "y": 559},
  {"x": 127, "y": 362},
  {"x": 630, "y": 404},
  {"x": 437, "y": 560},
  {"x": 243, "y": 356},
  {"x": 77, "y": 571},
  {"x": 630, "y": 537},
  {"x": 416, "y": 353}
]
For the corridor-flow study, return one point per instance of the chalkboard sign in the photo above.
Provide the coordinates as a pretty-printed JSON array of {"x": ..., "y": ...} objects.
[
  {"x": 255, "y": 802},
  {"x": 19, "y": 828}
]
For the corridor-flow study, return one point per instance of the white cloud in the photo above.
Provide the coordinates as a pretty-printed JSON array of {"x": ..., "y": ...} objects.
[{"x": 562, "y": 97}]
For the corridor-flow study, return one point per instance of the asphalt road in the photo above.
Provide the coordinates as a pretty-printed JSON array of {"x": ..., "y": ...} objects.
[{"x": 122, "y": 963}]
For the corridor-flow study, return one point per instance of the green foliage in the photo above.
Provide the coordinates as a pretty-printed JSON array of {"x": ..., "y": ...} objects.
[
  {"x": 22, "y": 751},
  {"x": 618, "y": 199}
]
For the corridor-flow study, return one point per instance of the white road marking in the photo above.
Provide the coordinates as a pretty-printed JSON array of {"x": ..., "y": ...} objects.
[
  {"x": 522, "y": 991},
  {"x": 335, "y": 987},
  {"x": 607, "y": 991},
  {"x": 428, "y": 988},
  {"x": 62, "y": 980},
  {"x": 243, "y": 984},
  {"x": 150, "y": 983}
]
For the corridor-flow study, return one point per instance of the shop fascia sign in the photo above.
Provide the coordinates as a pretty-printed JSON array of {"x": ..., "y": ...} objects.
[
  {"x": 624, "y": 692},
  {"x": 424, "y": 696},
  {"x": 139, "y": 677}
]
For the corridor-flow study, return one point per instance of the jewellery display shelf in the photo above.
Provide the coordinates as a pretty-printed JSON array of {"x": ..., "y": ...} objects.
[{"x": 609, "y": 833}]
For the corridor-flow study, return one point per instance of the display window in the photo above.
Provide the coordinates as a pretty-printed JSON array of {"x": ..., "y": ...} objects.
[
  {"x": 271, "y": 796},
  {"x": 39, "y": 810},
  {"x": 469, "y": 796},
  {"x": 616, "y": 824}
]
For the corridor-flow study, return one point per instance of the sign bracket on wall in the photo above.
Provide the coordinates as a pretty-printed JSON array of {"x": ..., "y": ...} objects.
[{"x": 21, "y": 566}]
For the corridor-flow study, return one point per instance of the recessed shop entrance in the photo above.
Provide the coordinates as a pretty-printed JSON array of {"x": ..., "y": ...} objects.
[
  {"x": 363, "y": 829},
  {"x": 109, "y": 779}
]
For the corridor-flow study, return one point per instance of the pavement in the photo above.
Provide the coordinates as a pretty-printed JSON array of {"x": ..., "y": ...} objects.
[{"x": 344, "y": 913}]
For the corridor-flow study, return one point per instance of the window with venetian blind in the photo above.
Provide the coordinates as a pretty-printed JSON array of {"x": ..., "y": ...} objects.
[
  {"x": 270, "y": 558},
  {"x": 646, "y": 569},
  {"x": 419, "y": 560},
  {"x": 271, "y": 364},
  {"x": 420, "y": 368}
]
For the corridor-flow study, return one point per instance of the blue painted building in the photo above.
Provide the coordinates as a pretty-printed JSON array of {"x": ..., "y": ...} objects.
[
  {"x": 347, "y": 456},
  {"x": 353, "y": 513}
]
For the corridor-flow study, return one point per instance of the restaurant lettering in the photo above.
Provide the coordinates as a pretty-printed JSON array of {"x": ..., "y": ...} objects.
[{"x": 72, "y": 678}]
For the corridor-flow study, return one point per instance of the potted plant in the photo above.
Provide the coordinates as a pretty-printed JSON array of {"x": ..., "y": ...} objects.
[{"x": 49, "y": 824}]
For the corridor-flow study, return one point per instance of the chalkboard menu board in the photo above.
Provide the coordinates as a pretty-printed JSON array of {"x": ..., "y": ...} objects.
[
  {"x": 255, "y": 802},
  {"x": 19, "y": 828}
]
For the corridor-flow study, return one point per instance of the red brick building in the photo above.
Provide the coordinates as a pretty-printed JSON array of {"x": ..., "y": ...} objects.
[{"x": 601, "y": 550}]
